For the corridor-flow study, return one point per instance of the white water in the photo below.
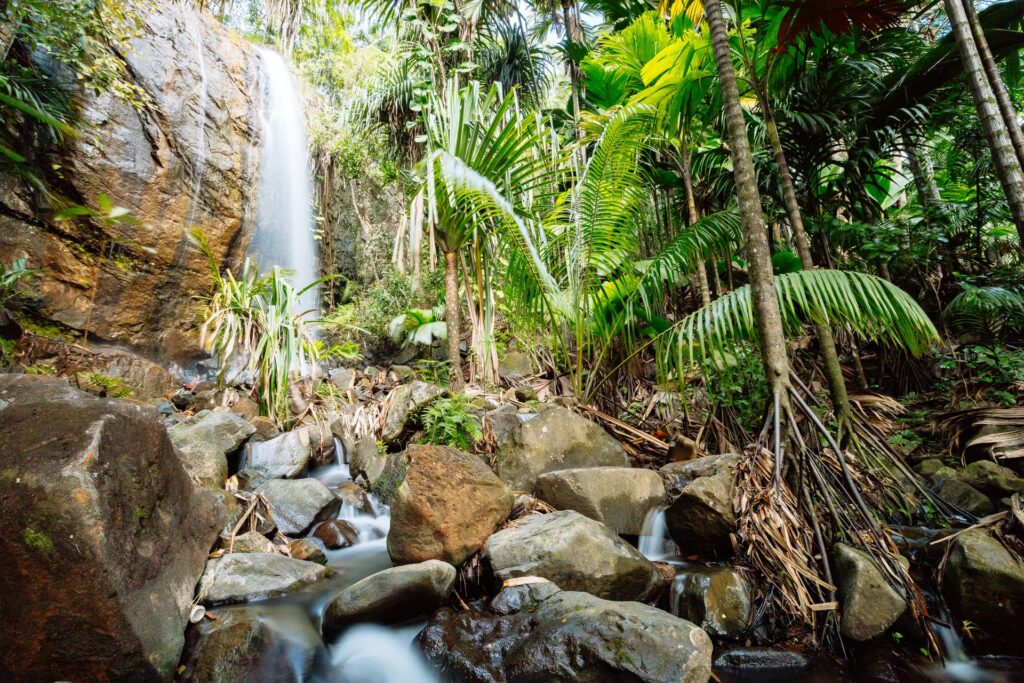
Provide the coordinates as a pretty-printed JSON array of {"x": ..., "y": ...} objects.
[
  {"x": 374, "y": 654},
  {"x": 284, "y": 222},
  {"x": 654, "y": 543}
]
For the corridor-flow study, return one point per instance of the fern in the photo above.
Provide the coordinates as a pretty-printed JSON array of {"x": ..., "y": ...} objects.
[{"x": 448, "y": 422}]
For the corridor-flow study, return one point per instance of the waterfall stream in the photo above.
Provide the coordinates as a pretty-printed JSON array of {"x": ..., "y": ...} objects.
[{"x": 284, "y": 220}]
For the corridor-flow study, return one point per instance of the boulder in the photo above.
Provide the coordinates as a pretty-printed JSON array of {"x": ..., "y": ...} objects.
[
  {"x": 336, "y": 533},
  {"x": 761, "y": 662},
  {"x": 249, "y": 542},
  {"x": 342, "y": 378},
  {"x": 515, "y": 363},
  {"x": 246, "y": 645},
  {"x": 715, "y": 598},
  {"x": 392, "y": 596},
  {"x": 502, "y": 421},
  {"x": 984, "y": 584},
  {"x": 678, "y": 475},
  {"x": 869, "y": 605},
  {"x": 573, "y": 551},
  {"x": 444, "y": 506},
  {"x": 619, "y": 497},
  {"x": 298, "y": 504},
  {"x": 406, "y": 403},
  {"x": 962, "y": 495},
  {"x": 366, "y": 460},
  {"x": 929, "y": 466},
  {"x": 102, "y": 535},
  {"x": 204, "y": 442},
  {"x": 701, "y": 518},
  {"x": 285, "y": 455},
  {"x": 991, "y": 479},
  {"x": 538, "y": 632},
  {"x": 306, "y": 549},
  {"x": 238, "y": 577},
  {"x": 557, "y": 439}
]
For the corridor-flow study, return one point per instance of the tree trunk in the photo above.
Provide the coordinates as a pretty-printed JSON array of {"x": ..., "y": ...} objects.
[
  {"x": 768, "y": 317},
  {"x": 995, "y": 80},
  {"x": 451, "y": 317},
  {"x": 571, "y": 37},
  {"x": 826, "y": 342},
  {"x": 693, "y": 216},
  {"x": 1003, "y": 155}
]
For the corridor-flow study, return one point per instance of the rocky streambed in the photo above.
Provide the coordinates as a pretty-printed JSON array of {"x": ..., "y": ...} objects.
[{"x": 194, "y": 541}]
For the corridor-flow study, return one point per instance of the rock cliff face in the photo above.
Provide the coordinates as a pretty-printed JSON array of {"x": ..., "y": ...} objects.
[{"x": 192, "y": 159}]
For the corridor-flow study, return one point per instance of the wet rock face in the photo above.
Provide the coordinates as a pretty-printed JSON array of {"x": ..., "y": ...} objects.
[
  {"x": 869, "y": 604},
  {"x": 557, "y": 439},
  {"x": 715, "y": 598},
  {"x": 102, "y": 533},
  {"x": 191, "y": 161},
  {"x": 242, "y": 644},
  {"x": 984, "y": 584},
  {"x": 391, "y": 596},
  {"x": 619, "y": 497},
  {"x": 572, "y": 551},
  {"x": 538, "y": 632},
  {"x": 445, "y": 506}
]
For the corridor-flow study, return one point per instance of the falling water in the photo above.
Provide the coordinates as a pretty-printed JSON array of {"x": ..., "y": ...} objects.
[
  {"x": 284, "y": 221},
  {"x": 654, "y": 543}
]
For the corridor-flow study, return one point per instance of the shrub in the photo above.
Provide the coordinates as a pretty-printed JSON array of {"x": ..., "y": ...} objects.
[{"x": 448, "y": 422}]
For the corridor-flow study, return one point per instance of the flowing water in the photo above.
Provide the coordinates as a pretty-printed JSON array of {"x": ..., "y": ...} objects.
[
  {"x": 361, "y": 654},
  {"x": 284, "y": 221},
  {"x": 654, "y": 543}
]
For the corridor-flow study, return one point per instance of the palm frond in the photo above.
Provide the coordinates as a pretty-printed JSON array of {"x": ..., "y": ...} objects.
[
  {"x": 866, "y": 305},
  {"x": 988, "y": 309}
]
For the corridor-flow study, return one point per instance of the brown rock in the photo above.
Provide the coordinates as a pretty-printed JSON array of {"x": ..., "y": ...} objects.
[
  {"x": 336, "y": 533},
  {"x": 445, "y": 507},
  {"x": 102, "y": 534}
]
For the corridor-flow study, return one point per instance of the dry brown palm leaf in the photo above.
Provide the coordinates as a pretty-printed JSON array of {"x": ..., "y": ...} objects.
[{"x": 980, "y": 433}]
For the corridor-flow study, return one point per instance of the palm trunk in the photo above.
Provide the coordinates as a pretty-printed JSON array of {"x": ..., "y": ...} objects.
[
  {"x": 995, "y": 79},
  {"x": 768, "y": 317},
  {"x": 693, "y": 216},
  {"x": 571, "y": 37},
  {"x": 1008, "y": 168},
  {"x": 826, "y": 342},
  {"x": 451, "y": 316}
]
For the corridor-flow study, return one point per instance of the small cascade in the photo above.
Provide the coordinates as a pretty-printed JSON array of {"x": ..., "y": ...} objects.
[
  {"x": 654, "y": 543},
  {"x": 284, "y": 221},
  {"x": 382, "y": 655}
]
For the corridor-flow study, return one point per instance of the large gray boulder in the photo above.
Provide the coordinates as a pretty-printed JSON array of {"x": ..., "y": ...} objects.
[
  {"x": 573, "y": 551},
  {"x": 238, "y": 577},
  {"x": 406, "y": 403},
  {"x": 961, "y": 494},
  {"x": 984, "y": 583},
  {"x": 557, "y": 439},
  {"x": 391, "y": 596},
  {"x": 245, "y": 645},
  {"x": 701, "y": 519},
  {"x": 869, "y": 605},
  {"x": 538, "y": 632},
  {"x": 204, "y": 442},
  {"x": 285, "y": 455},
  {"x": 619, "y": 497},
  {"x": 298, "y": 504},
  {"x": 102, "y": 534},
  {"x": 715, "y": 598},
  {"x": 444, "y": 506}
]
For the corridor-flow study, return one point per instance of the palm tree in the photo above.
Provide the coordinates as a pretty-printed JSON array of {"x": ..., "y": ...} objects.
[{"x": 1004, "y": 156}]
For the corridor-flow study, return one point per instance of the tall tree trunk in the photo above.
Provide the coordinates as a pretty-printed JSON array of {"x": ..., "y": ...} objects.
[
  {"x": 572, "y": 37},
  {"x": 768, "y": 317},
  {"x": 1003, "y": 155},
  {"x": 826, "y": 342},
  {"x": 693, "y": 216},
  {"x": 995, "y": 80},
  {"x": 451, "y": 317}
]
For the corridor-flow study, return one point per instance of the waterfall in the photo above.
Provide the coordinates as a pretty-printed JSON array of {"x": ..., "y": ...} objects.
[{"x": 284, "y": 220}]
